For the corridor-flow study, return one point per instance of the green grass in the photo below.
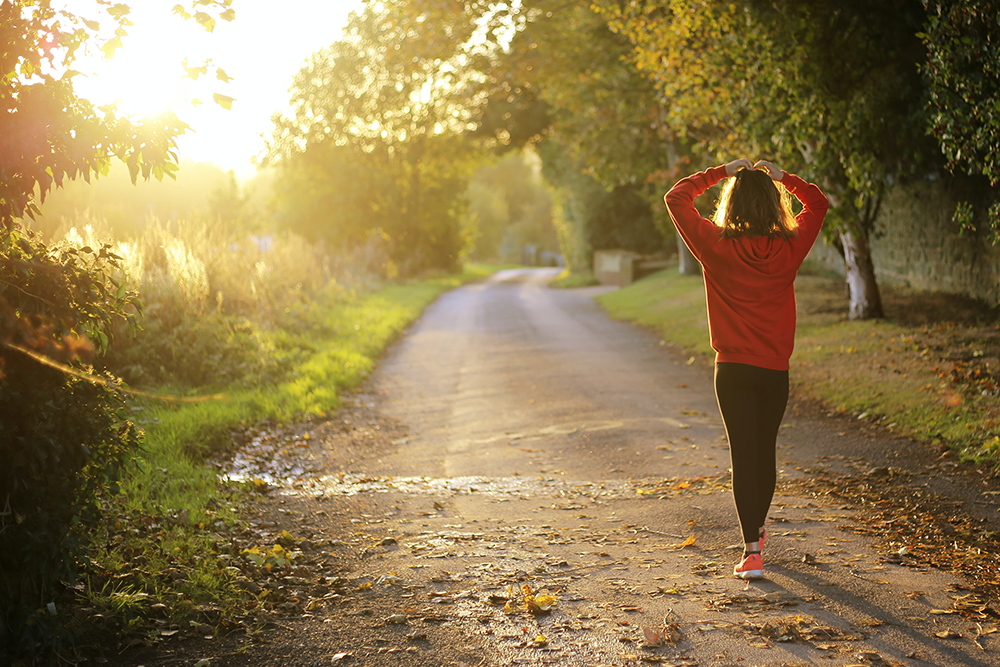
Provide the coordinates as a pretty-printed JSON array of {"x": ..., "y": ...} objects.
[
  {"x": 569, "y": 280},
  {"x": 882, "y": 371},
  {"x": 672, "y": 304}
]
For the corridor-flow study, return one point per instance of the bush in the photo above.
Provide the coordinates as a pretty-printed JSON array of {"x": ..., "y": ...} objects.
[
  {"x": 64, "y": 438},
  {"x": 218, "y": 302}
]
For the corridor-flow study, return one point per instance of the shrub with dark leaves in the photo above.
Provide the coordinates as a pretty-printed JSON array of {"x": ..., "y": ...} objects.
[{"x": 64, "y": 436}]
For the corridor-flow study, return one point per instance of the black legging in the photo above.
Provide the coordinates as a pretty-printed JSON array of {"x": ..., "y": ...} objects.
[{"x": 752, "y": 401}]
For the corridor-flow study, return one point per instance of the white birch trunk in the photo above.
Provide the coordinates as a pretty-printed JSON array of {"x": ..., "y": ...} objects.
[
  {"x": 866, "y": 303},
  {"x": 688, "y": 265}
]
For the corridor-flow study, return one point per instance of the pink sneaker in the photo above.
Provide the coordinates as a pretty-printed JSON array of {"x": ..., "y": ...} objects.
[{"x": 751, "y": 567}]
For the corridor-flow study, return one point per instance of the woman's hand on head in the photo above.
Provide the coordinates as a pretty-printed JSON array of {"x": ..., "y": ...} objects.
[
  {"x": 736, "y": 165},
  {"x": 773, "y": 170}
]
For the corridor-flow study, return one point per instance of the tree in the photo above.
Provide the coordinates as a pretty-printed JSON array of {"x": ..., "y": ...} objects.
[
  {"x": 63, "y": 438},
  {"x": 47, "y": 133},
  {"x": 510, "y": 206},
  {"x": 377, "y": 143},
  {"x": 563, "y": 84},
  {"x": 963, "y": 75},
  {"x": 829, "y": 89}
]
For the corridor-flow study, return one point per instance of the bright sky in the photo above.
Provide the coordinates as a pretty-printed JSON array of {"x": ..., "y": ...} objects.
[{"x": 261, "y": 50}]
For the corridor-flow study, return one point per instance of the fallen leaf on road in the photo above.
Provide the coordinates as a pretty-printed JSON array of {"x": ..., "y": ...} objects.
[
  {"x": 971, "y": 605},
  {"x": 540, "y": 603},
  {"x": 686, "y": 543},
  {"x": 668, "y": 634}
]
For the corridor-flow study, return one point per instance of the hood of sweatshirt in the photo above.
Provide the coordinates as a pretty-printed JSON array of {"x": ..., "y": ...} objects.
[{"x": 763, "y": 254}]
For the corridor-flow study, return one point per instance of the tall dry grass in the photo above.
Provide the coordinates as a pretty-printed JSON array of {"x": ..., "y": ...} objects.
[{"x": 220, "y": 305}]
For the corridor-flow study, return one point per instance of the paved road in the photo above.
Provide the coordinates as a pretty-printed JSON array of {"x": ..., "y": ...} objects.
[
  {"x": 517, "y": 437},
  {"x": 543, "y": 433},
  {"x": 511, "y": 361}
]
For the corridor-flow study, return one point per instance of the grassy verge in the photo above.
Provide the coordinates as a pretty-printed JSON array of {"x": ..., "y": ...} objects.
[
  {"x": 162, "y": 550},
  {"x": 568, "y": 280},
  {"x": 929, "y": 370}
]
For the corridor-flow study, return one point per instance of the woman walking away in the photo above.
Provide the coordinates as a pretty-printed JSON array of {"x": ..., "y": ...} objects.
[{"x": 750, "y": 257}]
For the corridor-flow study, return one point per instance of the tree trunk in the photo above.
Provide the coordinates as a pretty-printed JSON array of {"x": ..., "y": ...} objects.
[
  {"x": 866, "y": 303},
  {"x": 688, "y": 265}
]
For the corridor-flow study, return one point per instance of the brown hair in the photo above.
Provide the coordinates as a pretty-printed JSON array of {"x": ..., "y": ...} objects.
[{"x": 753, "y": 204}]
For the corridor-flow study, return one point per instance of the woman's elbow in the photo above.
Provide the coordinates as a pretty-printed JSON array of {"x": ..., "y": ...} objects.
[{"x": 673, "y": 200}]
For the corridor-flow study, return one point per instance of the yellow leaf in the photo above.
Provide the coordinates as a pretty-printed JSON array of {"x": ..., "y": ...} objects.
[
  {"x": 545, "y": 601},
  {"x": 223, "y": 101},
  {"x": 686, "y": 543},
  {"x": 253, "y": 555},
  {"x": 205, "y": 21},
  {"x": 111, "y": 46}
]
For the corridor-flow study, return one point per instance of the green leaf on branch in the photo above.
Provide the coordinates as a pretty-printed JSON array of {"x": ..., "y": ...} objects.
[{"x": 963, "y": 218}]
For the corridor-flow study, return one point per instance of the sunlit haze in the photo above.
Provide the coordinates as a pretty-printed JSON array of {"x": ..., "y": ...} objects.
[{"x": 261, "y": 50}]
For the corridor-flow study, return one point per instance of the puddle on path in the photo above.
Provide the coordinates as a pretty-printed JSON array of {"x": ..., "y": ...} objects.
[{"x": 285, "y": 463}]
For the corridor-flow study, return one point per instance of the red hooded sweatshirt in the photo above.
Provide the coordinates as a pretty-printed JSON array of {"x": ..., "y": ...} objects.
[{"x": 749, "y": 279}]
